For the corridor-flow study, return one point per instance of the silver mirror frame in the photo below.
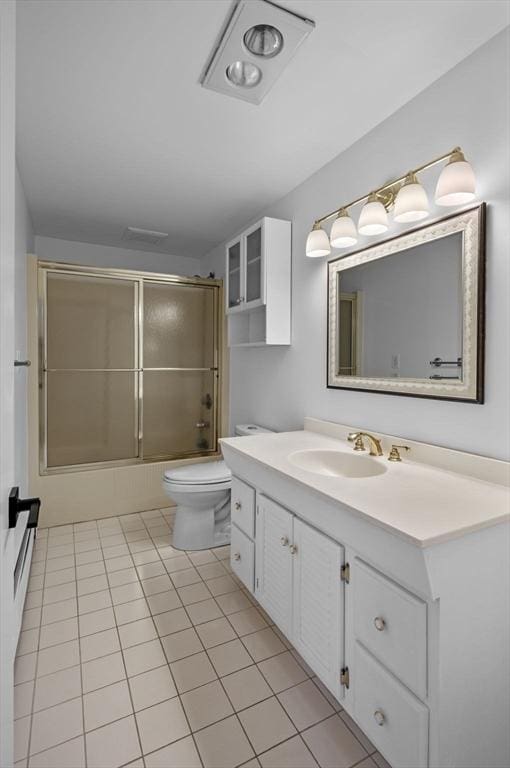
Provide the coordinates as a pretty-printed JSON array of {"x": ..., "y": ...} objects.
[{"x": 471, "y": 223}]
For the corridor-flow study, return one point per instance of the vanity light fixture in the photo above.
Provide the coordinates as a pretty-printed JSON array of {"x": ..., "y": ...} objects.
[
  {"x": 456, "y": 184},
  {"x": 256, "y": 44},
  {"x": 343, "y": 231},
  {"x": 405, "y": 196},
  {"x": 317, "y": 243},
  {"x": 411, "y": 202},
  {"x": 373, "y": 219}
]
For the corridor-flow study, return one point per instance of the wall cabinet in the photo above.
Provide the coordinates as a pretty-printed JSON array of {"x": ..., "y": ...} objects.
[{"x": 257, "y": 291}]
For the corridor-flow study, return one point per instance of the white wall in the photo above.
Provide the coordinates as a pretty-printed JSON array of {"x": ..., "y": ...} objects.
[
  {"x": 24, "y": 243},
  {"x": 52, "y": 249},
  {"x": 275, "y": 387}
]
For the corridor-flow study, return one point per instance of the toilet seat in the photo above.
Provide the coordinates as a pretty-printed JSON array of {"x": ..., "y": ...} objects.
[{"x": 196, "y": 478}]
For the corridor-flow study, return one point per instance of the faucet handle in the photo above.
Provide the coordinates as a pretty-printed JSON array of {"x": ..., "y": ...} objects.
[
  {"x": 394, "y": 454},
  {"x": 357, "y": 439}
]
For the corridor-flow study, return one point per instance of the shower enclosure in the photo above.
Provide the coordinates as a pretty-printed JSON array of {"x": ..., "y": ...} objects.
[{"x": 129, "y": 367}]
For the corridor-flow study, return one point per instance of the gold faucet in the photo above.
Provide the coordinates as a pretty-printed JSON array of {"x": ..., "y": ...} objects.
[{"x": 357, "y": 439}]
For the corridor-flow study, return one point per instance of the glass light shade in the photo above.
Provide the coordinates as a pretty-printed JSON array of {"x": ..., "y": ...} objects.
[
  {"x": 264, "y": 40},
  {"x": 373, "y": 218},
  {"x": 343, "y": 232},
  {"x": 317, "y": 243},
  {"x": 244, "y": 74},
  {"x": 456, "y": 184},
  {"x": 411, "y": 203}
]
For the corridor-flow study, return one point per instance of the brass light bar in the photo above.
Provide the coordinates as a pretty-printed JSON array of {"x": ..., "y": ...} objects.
[{"x": 380, "y": 191}]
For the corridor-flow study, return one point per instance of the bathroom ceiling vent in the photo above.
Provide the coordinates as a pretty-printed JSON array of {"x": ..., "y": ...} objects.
[
  {"x": 144, "y": 235},
  {"x": 256, "y": 45}
]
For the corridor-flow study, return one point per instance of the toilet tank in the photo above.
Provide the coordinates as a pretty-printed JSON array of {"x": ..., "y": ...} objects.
[{"x": 251, "y": 429}]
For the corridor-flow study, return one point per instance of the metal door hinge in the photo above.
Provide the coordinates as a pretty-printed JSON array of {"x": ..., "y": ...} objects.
[
  {"x": 345, "y": 573},
  {"x": 344, "y": 676}
]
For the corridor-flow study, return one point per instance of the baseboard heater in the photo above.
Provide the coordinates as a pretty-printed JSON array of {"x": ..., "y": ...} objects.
[{"x": 23, "y": 518}]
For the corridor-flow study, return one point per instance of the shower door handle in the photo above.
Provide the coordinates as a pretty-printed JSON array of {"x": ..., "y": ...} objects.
[{"x": 202, "y": 425}]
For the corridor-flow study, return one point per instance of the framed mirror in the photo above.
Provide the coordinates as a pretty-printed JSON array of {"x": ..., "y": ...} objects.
[{"x": 406, "y": 316}]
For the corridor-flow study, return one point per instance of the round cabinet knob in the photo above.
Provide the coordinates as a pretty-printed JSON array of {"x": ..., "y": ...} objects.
[
  {"x": 237, "y": 556},
  {"x": 379, "y": 717},
  {"x": 284, "y": 541},
  {"x": 293, "y": 549},
  {"x": 237, "y": 505},
  {"x": 379, "y": 623}
]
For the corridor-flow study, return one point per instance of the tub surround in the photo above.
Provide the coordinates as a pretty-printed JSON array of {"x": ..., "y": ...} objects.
[{"x": 393, "y": 587}]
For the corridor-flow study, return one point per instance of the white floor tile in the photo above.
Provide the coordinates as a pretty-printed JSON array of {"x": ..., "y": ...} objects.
[
  {"x": 224, "y": 744},
  {"x": 96, "y": 621},
  {"x": 305, "y": 705},
  {"x": 23, "y": 694},
  {"x": 137, "y": 632},
  {"x": 113, "y": 745},
  {"x": 58, "y": 632},
  {"x": 94, "y": 602},
  {"x": 172, "y": 621},
  {"x": 100, "y": 644},
  {"x": 229, "y": 657},
  {"x": 71, "y": 754},
  {"x": 164, "y": 601},
  {"x": 92, "y": 584},
  {"x": 58, "y": 657},
  {"x": 181, "y": 644},
  {"x": 57, "y": 687},
  {"x": 21, "y": 737},
  {"x": 282, "y": 671},
  {"x": 180, "y": 754},
  {"x": 192, "y": 671},
  {"x": 141, "y": 658},
  {"x": 206, "y": 705},
  {"x": 266, "y": 724},
  {"x": 152, "y": 687},
  {"x": 65, "y": 609},
  {"x": 290, "y": 754},
  {"x": 106, "y": 705},
  {"x": 102, "y": 671},
  {"x": 133, "y": 611},
  {"x": 332, "y": 744},
  {"x": 216, "y": 632},
  {"x": 246, "y": 687},
  {"x": 161, "y": 725},
  {"x": 55, "y": 725}
]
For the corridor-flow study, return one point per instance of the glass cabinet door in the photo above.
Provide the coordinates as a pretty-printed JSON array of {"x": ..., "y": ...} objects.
[
  {"x": 234, "y": 275},
  {"x": 254, "y": 266}
]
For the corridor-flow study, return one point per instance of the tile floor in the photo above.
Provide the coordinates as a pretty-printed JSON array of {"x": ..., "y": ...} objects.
[{"x": 136, "y": 654}]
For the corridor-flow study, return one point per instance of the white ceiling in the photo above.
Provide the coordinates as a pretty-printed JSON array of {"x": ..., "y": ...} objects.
[{"x": 115, "y": 130}]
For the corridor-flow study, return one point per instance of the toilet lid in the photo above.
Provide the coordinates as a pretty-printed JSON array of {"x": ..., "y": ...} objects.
[{"x": 204, "y": 473}]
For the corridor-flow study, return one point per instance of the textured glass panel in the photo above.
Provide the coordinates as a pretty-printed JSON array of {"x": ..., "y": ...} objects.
[
  {"x": 234, "y": 274},
  {"x": 178, "y": 412},
  {"x": 90, "y": 322},
  {"x": 253, "y": 265},
  {"x": 91, "y": 417},
  {"x": 178, "y": 329}
]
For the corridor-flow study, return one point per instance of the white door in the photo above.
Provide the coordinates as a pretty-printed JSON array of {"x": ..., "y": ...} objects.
[
  {"x": 7, "y": 228},
  {"x": 273, "y": 570},
  {"x": 318, "y": 603}
]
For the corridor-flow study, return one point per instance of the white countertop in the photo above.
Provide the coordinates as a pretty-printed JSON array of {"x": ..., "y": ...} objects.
[{"x": 415, "y": 501}]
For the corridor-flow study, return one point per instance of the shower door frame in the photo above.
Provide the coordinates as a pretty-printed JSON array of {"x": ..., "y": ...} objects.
[{"x": 138, "y": 277}]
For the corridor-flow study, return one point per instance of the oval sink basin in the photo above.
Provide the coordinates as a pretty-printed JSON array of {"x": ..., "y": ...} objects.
[{"x": 336, "y": 463}]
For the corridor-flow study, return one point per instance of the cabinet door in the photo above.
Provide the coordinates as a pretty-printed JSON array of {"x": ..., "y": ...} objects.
[
  {"x": 318, "y": 603},
  {"x": 273, "y": 570},
  {"x": 254, "y": 266},
  {"x": 234, "y": 296}
]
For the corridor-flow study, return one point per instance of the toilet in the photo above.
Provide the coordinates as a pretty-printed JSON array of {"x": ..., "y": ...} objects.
[{"x": 202, "y": 494}]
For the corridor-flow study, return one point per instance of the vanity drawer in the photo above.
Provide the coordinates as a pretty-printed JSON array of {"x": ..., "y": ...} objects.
[
  {"x": 392, "y": 718},
  {"x": 243, "y": 506},
  {"x": 242, "y": 557},
  {"x": 392, "y": 624}
]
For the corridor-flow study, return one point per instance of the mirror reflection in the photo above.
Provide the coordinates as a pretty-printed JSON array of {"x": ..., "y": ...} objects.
[{"x": 401, "y": 316}]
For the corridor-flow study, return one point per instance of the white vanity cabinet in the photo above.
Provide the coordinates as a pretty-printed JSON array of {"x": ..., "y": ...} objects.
[
  {"x": 297, "y": 581},
  {"x": 408, "y": 629},
  {"x": 257, "y": 291}
]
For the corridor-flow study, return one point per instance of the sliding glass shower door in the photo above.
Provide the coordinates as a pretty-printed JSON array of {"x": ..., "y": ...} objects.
[{"x": 129, "y": 367}]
